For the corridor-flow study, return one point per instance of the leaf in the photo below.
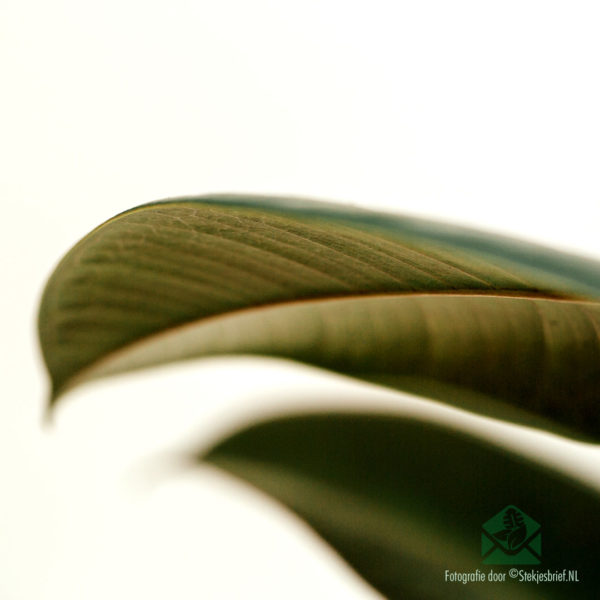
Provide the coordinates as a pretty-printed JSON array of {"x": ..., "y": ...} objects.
[
  {"x": 515, "y": 529},
  {"x": 502, "y": 535},
  {"x": 402, "y": 500},
  {"x": 513, "y": 519},
  {"x": 517, "y": 535},
  {"x": 495, "y": 325}
]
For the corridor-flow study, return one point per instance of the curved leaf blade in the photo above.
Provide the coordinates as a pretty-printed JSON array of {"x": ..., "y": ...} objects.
[
  {"x": 539, "y": 357},
  {"x": 403, "y": 500},
  {"x": 134, "y": 288},
  {"x": 516, "y": 537},
  {"x": 565, "y": 271}
]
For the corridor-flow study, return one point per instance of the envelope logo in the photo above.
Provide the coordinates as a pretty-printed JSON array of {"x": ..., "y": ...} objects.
[{"x": 511, "y": 537}]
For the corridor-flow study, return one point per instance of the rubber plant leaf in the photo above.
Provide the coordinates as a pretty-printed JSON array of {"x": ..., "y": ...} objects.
[
  {"x": 404, "y": 501},
  {"x": 499, "y": 326}
]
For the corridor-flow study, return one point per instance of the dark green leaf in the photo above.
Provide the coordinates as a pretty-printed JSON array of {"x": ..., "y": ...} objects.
[
  {"x": 517, "y": 535},
  {"x": 403, "y": 500},
  {"x": 503, "y": 534}
]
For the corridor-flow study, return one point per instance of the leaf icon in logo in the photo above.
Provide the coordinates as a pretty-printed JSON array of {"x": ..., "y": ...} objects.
[
  {"x": 516, "y": 537},
  {"x": 514, "y": 531},
  {"x": 502, "y": 535}
]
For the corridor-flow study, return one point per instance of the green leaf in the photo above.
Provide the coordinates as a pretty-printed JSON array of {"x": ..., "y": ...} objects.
[
  {"x": 404, "y": 500},
  {"x": 516, "y": 537},
  {"x": 495, "y": 325}
]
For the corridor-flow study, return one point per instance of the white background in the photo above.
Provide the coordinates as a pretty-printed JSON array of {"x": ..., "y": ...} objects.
[{"x": 484, "y": 113}]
